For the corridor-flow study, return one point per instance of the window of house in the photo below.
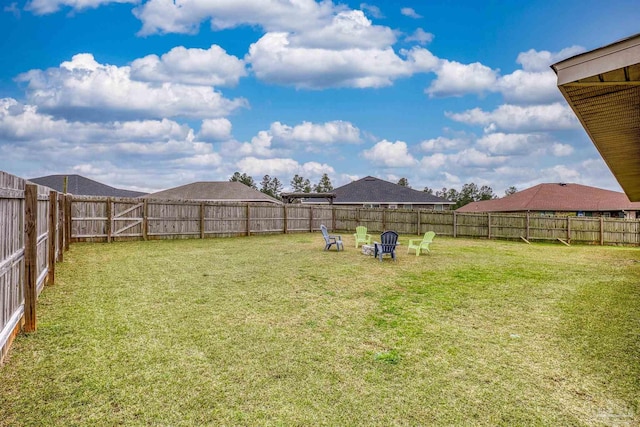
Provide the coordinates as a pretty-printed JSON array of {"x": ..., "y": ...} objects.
[
  {"x": 409, "y": 206},
  {"x": 371, "y": 205},
  {"x": 393, "y": 206}
]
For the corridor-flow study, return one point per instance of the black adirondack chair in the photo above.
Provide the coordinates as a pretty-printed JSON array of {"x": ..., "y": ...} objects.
[
  {"x": 387, "y": 245},
  {"x": 330, "y": 240}
]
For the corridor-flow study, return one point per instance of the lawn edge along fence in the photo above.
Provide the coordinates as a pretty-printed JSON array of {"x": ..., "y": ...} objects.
[{"x": 32, "y": 240}]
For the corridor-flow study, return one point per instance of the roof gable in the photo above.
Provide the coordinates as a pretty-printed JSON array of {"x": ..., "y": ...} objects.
[
  {"x": 556, "y": 197},
  {"x": 373, "y": 190},
  {"x": 214, "y": 191},
  {"x": 82, "y": 186}
]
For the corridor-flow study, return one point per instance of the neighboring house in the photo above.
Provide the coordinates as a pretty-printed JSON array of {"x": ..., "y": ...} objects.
[
  {"x": 370, "y": 192},
  {"x": 214, "y": 191},
  {"x": 81, "y": 186},
  {"x": 562, "y": 200}
]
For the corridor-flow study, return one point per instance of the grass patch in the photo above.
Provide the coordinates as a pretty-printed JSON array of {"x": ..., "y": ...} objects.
[{"x": 271, "y": 330}]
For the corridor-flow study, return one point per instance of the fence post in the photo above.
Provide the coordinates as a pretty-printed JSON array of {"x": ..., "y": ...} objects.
[
  {"x": 145, "y": 219},
  {"x": 528, "y": 225},
  {"x": 51, "y": 240},
  {"x": 568, "y": 229},
  {"x": 284, "y": 208},
  {"x": 60, "y": 199},
  {"x": 419, "y": 214},
  {"x": 310, "y": 219},
  {"x": 202, "y": 220},
  {"x": 489, "y": 224},
  {"x": 601, "y": 231},
  {"x": 109, "y": 219},
  {"x": 30, "y": 256},
  {"x": 68, "y": 221},
  {"x": 248, "y": 220},
  {"x": 455, "y": 224},
  {"x": 384, "y": 220},
  {"x": 333, "y": 217}
]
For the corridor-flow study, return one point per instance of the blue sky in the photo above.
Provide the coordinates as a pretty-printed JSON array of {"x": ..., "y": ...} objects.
[{"x": 148, "y": 95}]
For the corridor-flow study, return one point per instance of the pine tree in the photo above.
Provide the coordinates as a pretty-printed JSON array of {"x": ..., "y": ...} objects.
[
  {"x": 300, "y": 184},
  {"x": 324, "y": 185},
  {"x": 243, "y": 178},
  {"x": 404, "y": 182}
]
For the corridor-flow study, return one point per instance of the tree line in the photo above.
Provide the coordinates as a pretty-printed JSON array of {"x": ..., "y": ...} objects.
[{"x": 272, "y": 186}]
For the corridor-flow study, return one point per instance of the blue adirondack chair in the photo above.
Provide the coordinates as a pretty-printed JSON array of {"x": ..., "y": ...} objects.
[
  {"x": 387, "y": 245},
  {"x": 330, "y": 240}
]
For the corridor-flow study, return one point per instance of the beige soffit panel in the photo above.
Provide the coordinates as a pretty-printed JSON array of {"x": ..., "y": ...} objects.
[{"x": 603, "y": 89}]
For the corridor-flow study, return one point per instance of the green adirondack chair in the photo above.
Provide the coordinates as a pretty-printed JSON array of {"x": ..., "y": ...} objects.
[
  {"x": 361, "y": 235},
  {"x": 421, "y": 245}
]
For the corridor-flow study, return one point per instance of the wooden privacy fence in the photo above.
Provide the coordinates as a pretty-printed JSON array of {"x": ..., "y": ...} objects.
[
  {"x": 109, "y": 219},
  {"x": 32, "y": 239}
]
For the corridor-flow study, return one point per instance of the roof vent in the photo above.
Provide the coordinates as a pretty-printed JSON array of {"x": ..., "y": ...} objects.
[{"x": 562, "y": 184}]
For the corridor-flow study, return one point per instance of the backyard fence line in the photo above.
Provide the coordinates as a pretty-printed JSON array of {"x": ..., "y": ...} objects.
[
  {"x": 31, "y": 242},
  {"x": 106, "y": 219}
]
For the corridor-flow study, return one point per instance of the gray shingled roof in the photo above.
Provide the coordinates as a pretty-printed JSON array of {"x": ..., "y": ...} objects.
[
  {"x": 556, "y": 197},
  {"x": 81, "y": 186},
  {"x": 374, "y": 190},
  {"x": 228, "y": 191}
]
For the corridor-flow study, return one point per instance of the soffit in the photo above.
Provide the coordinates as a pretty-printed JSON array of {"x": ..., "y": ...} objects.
[{"x": 606, "y": 100}]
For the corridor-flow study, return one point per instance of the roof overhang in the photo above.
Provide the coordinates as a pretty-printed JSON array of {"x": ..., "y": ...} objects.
[{"x": 603, "y": 89}]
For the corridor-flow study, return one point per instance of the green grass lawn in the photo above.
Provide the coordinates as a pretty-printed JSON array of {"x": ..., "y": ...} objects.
[{"x": 272, "y": 330}]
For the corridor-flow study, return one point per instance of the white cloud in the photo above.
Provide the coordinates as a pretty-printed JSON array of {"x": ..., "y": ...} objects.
[
  {"x": 512, "y": 143},
  {"x": 347, "y": 30},
  {"x": 20, "y": 122},
  {"x": 372, "y": 10},
  {"x": 442, "y": 143},
  {"x": 422, "y": 60},
  {"x": 13, "y": 9},
  {"x": 420, "y": 36},
  {"x": 260, "y": 145},
  {"x": 525, "y": 87},
  {"x": 167, "y": 16},
  {"x": 274, "y": 60},
  {"x": 407, "y": 11},
  {"x": 390, "y": 154},
  {"x": 325, "y": 133},
  {"x": 282, "y": 167},
  {"x": 536, "y": 61},
  {"x": 514, "y": 118},
  {"x": 473, "y": 158},
  {"x": 456, "y": 79},
  {"x": 561, "y": 150},
  {"x": 83, "y": 87},
  {"x": 44, "y": 7},
  {"x": 144, "y": 154},
  {"x": 434, "y": 161},
  {"x": 561, "y": 173},
  {"x": 215, "y": 129},
  {"x": 205, "y": 67},
  {"x": 280, "y": 139},
  {"x": 200, "y": 160}
]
